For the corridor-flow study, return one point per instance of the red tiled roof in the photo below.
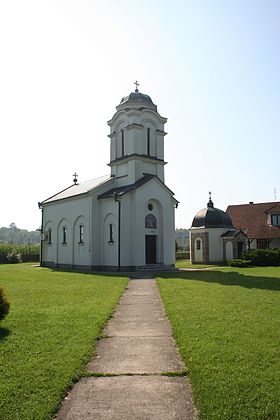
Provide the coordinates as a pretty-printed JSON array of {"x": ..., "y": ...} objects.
[{"x": 253, "y": 218}]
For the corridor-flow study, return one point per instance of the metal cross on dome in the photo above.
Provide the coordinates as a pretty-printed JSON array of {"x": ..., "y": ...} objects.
[
  {"x": 75, "y": 180},
  {"x": 136, "y": 84}
]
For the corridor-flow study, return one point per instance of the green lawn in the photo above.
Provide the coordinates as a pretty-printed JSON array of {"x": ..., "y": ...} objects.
[
  {"x": 54, "y": 321},
  {"x": 188, "y": 264},
  {"x": 226, "y": 323}
]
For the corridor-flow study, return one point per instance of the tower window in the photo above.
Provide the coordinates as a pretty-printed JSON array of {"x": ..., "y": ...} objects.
[
  {"x": 64, "y": 235},
  {"x": 122, "y": 143},
  {"x": 198, "y": 245},
  {"x": 81, "y": 234},
  {"x": 148, "y": 141}
]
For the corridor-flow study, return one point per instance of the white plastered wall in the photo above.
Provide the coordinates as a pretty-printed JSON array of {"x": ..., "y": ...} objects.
[{"x": 66, "y": 213}]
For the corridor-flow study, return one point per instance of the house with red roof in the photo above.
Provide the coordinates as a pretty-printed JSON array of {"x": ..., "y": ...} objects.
[{"x": 260, "y": 222}]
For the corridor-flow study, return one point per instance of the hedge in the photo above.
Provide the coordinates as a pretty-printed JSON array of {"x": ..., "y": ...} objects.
[
  {"x": 258, "y": 257},
  {"x": 10, "y": 254},
  {"x": 263, "y": 257}
]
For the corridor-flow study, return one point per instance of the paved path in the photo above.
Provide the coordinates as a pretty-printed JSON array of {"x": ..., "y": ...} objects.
[{"x": 139, "y": 348}]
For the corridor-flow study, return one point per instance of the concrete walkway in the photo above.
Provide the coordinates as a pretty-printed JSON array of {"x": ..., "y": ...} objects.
[{"x": 135, "y": 360}]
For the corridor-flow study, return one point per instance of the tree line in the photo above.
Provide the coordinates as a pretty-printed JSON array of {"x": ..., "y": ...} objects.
[{"x": 14, "y": 235}]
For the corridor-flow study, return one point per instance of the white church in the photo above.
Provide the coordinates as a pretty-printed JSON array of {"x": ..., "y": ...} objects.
[{"x": 123, "y": 221}]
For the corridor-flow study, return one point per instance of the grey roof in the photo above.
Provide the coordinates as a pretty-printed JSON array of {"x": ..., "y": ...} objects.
[
  {"x": 138, "y": 99},
  {"x": 233, "y": 233},
  {"x": 126, "y": 188},
  {"x": 210, "y": 217},
  {"x": 131, "y": 187},
  {"x": 78, "y": 189}
]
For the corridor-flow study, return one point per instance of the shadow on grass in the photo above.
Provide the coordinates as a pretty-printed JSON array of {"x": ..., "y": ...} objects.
[
  {"x": 71, "y": 271},
  {"x": 228, "y": 278},
  {"x": 4, "y": 332}
]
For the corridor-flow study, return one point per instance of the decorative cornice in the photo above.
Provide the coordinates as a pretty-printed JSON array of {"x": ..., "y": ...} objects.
[
  {"x": 111, "y": 135},
  {"x": 134, "y": 125},
  {"x": 136, "y": 156},
  {"x": 162, "y": 133}
]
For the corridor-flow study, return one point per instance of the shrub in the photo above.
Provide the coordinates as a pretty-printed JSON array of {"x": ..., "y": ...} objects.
[
  {"x": 4, "y": 305},
  {"x": 239, "y": 263},
  {"x": 263, "y": 257},
  {"x": 182, "y": 255},
  {"x": 10, "y": 253},
  {"x": 14, "y": 257}
]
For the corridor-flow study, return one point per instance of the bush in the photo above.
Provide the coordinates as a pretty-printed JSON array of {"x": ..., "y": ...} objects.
[
  {"x": 14, "y": 257},
  {"x": 4, "y": 305},
  {"x": 239, "y": 263},
  {"x": 10, "y": 254},
  {"x": 182, "y": 255},
  {"x": 263, "y": 257}
]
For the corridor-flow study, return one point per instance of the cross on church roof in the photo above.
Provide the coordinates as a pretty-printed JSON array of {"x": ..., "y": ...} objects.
[
  {"x": 136, "y": 84},
  {"x": 75, "y": 180},
  {"x": 210, "y": 202}
]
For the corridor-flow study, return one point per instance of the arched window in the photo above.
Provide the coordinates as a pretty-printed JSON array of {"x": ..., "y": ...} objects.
[
  {"x": 198, "y": 245},
  {"x": 111, "y": 240},
  {"x": 122, "y": 142},
  {"x": 150, "y": 221},
  {"x": 49, "y": 236},
  {"x": 81, "y": 234},
  {"x": 64, "y": 235},
  {"x": 148, "y": 141}
]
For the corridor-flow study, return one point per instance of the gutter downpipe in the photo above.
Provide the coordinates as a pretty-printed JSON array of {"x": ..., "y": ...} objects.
[
  {"x": 119, "y": 229},
  {"x": 41, "y": 230}
]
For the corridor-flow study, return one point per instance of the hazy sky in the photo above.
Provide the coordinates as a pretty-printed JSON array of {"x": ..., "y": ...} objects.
[{"x": 212, "y": 67}]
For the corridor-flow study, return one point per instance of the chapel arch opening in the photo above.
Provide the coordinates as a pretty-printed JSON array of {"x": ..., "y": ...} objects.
[{"x": 198, "y": 250}]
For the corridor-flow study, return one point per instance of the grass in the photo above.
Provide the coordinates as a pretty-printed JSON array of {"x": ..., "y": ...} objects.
[
  {"x": 226, "y": 323},
  {"x": 50, "y": 333},
  {"x": 187, "y": 264}
]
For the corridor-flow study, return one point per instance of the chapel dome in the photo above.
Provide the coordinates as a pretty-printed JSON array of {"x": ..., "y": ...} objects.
[
  {"x": 137, "y": 100},
  {"x": 210, "y": 217}
]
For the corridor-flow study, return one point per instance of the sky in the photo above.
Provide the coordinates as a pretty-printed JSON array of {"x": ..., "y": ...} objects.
[{"x": 211, "y": 67}]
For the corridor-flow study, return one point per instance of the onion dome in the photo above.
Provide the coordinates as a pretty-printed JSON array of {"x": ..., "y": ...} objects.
[
  {"x": 210, "y": 217},
  {"x": 137, "y": 100}
]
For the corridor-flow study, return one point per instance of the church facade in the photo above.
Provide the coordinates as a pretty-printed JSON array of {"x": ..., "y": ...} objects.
[{"x": 123, "y": 221}]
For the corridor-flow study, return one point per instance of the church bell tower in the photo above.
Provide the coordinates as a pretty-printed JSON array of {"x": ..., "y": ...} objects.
[{"x": 137, "y": 139}]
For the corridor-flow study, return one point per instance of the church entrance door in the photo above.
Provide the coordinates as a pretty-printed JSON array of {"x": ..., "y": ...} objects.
[{"x": 151, "y": 249}]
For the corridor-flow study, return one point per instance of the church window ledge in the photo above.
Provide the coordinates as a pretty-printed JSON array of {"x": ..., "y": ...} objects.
[{"x": 110, "y": 242}]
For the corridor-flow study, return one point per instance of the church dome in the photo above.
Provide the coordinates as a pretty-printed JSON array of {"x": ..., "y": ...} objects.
[
  {"x": 210, "y": 217},
  {"x": 137, "y": 100}
]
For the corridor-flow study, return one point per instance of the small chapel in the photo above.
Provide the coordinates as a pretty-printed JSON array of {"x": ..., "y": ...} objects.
[
  {"x": 213, "y": 237},
  {"x": 123, "y": 221}
]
